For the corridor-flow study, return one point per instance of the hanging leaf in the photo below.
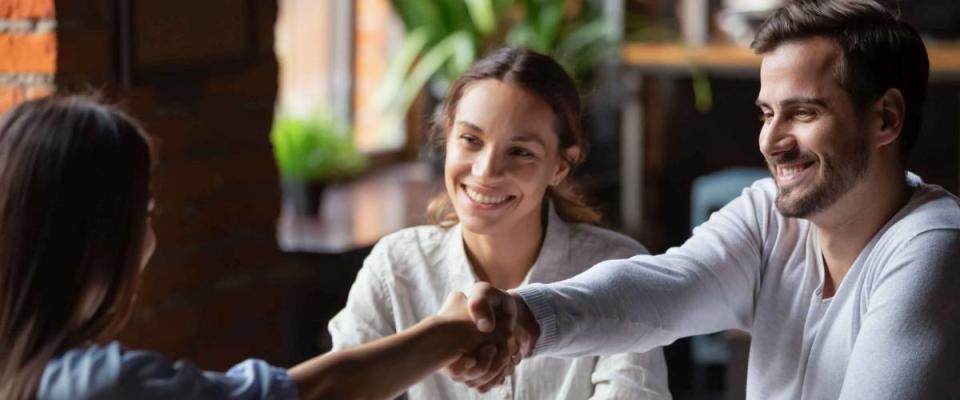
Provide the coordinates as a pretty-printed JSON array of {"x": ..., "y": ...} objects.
[
  {"x": 423, "y": 15},
  {"x": 397, "y": 71},
  {"x": 549, "y": 23},
  {"x": 456, "y": 50},
  {"x": 587, "y": 46},
  {"x": 483, "y": 14}
]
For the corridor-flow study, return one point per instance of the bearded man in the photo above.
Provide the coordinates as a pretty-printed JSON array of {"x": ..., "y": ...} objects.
[{"x": 843, "y": 267}]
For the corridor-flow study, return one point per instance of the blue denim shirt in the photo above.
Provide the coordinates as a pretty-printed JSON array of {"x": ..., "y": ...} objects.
[{"x": 112, "y": 372}]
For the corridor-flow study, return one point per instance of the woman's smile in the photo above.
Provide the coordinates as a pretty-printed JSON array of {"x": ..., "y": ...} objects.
[
  {"x": 484, "y": 199},
  {"x": 501, "y": 157}
]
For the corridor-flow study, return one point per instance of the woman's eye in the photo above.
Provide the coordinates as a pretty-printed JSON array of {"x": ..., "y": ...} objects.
[
  {"x": 470, "y": 140},
  {"x": 522, "y": 153},
  {"x": 765, "y": 117}
]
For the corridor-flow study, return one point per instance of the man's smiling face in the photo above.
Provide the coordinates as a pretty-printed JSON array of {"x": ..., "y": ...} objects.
[{"x": 810, "y": 137}]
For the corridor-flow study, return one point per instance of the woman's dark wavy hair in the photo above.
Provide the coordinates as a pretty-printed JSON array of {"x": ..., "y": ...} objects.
[
  {"x": 74, "y": 178},
  {"x": 880, "y": 51},
  {"x": 544, "y": 78}
]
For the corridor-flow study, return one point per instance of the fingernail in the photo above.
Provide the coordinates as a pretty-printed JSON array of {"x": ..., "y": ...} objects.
[
  {"x": 467, "y": 364},
  {"x": 484, "y": 325}
]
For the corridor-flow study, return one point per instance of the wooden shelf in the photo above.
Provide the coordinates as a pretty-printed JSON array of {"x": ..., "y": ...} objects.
[
  {"x": 944, "y": 57},
  {"x": 671, "y": 55}
]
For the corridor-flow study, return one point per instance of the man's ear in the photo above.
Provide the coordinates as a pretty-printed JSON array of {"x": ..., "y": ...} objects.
[
  {"x": 891, "y": 109},
  {"x": 571, "y": 153}
]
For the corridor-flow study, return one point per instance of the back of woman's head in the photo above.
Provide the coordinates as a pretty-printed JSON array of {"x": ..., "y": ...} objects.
[
  {"x": 74, "y": 188},
  {"x": 544, "y": 78}
]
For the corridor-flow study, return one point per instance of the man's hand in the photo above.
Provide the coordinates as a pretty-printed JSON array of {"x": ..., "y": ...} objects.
[{"x": 495, "y": 311}]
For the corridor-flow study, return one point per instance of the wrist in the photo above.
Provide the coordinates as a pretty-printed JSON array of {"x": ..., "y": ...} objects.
[
  {"x": 527, "y": 322},
  {"x": 447, "y": 335}
]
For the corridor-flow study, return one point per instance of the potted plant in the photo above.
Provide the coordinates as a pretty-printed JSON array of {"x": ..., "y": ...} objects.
[{"x": 310, "y": 153}]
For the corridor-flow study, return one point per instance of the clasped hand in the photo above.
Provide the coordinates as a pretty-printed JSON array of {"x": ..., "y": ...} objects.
[{"x": 512, "y": 334}]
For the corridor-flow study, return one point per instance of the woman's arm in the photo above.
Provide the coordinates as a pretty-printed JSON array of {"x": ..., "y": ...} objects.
[
  {"x": 385, "y": 367},
  {"x": 379, "y": 369}
]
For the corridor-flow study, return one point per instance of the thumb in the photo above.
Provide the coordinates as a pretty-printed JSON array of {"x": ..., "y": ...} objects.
[
  {"x": 484, "y": 298},
  {"x": 455, "y": 301}
]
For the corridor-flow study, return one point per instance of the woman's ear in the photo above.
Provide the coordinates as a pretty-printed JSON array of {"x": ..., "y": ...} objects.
[
  {"x": 891, "y": 109},
  {"x": 570, "y": 155}
]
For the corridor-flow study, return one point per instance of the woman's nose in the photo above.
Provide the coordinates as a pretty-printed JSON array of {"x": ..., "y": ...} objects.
[{"x": 487, "y": 164}]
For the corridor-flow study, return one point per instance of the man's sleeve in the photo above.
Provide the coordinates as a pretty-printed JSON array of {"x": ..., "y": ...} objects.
[
  {"x": 635, "y": 305},
  {"x": 908, "y": 346}
]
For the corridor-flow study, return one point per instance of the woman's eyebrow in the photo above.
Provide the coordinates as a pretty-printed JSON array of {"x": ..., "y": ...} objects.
[
  {"x": 469, "y": 125},
  {"x": 529, "y": 137}
]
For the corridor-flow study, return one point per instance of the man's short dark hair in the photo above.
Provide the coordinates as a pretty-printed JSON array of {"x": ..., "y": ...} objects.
[{"x": 880, "y": 51}]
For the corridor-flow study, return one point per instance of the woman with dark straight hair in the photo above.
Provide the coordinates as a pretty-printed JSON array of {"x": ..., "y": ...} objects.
[
  {"x": 510, "y": 129},
  {"x": 75, "y": 235},
  {"x": 73, "y": 230}
]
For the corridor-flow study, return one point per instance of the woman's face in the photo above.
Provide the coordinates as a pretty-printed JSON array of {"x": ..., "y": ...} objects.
[{"x": 501, "y": 155}]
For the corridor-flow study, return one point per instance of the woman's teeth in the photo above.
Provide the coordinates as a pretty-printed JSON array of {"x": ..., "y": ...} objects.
[{"x": 484, "y": 199}]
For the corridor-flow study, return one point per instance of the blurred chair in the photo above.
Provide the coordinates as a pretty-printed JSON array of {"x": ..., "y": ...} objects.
[
  {"x": 722, "y": 351},
  {"x": 710, "y": 193}
]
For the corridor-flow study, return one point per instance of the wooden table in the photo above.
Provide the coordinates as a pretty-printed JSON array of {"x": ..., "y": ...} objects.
[
  {"x": 357, "y": 214},
  {"x": 725, "y": 60}
]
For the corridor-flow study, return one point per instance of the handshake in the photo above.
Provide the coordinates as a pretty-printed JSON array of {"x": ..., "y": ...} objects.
[{"x": 495, "y": 330}]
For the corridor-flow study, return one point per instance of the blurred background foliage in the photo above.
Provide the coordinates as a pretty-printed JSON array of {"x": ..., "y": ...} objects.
[{"x": 444, "y": 37}]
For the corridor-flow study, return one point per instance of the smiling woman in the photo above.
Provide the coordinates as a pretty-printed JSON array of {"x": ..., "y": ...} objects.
[
  {"x": 510, "y": 130},
  {"x": 530, "y": 93}
]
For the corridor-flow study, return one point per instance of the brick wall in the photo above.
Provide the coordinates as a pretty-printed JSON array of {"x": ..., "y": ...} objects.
[{"x": 28, "y": 50}]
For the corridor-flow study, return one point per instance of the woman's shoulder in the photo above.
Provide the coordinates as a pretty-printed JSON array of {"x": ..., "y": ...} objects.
[
  {"x": 96, "y": 371},
  {"x": 609, "y": 243},
  {"x": 92, "y": 370}
]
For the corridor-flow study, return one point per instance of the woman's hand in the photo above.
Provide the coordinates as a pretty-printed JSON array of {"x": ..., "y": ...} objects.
[
  {"x": 513, "y": 332},
  {"x": 400, "y": 360}
]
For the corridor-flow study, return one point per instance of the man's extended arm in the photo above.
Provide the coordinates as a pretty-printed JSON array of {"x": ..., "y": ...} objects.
[{"x": 706, "y": 285}]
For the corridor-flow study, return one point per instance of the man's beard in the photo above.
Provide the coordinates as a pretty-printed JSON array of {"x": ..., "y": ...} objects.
[{"x": 841, "y": 172}]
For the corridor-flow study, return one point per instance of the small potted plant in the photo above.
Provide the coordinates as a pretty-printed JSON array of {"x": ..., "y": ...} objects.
[{"x": 311, "y": 152}]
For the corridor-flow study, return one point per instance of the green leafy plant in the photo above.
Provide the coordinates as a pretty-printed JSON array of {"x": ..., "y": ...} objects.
[
  {"x": 314, "y": 149},
  {"x": 444, "y": 37}
]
